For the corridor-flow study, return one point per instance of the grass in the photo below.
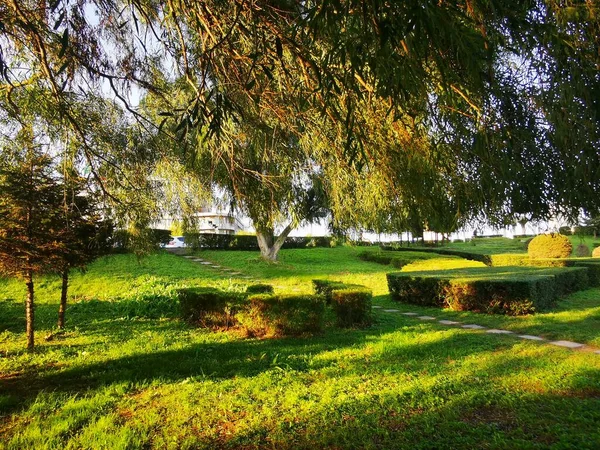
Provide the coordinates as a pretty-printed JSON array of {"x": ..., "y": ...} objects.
[{"x": 116, "y": 380}]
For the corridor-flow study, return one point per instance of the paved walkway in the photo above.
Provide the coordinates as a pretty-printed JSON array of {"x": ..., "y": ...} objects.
[
  {"x": 473, "y": 326},
  {"x": 223, "y": 271}
]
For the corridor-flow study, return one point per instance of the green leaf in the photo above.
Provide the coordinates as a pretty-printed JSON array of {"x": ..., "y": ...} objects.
[{"x": 64, "y": 42}]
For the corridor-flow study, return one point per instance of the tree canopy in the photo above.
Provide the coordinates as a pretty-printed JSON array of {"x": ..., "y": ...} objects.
[{"x": 466, "y": 107}]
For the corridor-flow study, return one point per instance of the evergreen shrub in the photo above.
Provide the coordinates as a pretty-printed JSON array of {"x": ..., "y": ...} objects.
[
  {"x": 352, "y": 305},
  {"x": 268, "y": 315},
  {"x": 552, "y": 245},
  {"x": 209, "y": 307},
  {"x": 488, "y": 290}
]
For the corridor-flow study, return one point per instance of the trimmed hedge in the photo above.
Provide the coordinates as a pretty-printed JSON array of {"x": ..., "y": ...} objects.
[
  {"x": 259, "y": 289},
  {"x": 282, "y": 315},
  {"x": 210, "y": 241},
  {"x": 209, "y": 307},
  {"x": 352, "y": 306},
  {"x": 351, "y": 303},
  {"x": 487, "y": 290},
  {"x": 385, "y": 259},
  {"x": 326, "y": 287},
  {"x": 551, "y": 245},
  {"x": 509, "y": 259},
  {"x": 443, "y": 251}
]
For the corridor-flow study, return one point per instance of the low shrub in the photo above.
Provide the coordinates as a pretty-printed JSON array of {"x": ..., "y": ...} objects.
[
  {"x": 552, "y": 245},
  {"x": 444, "y": 251},
  {"x": 386, "y": 259},
  {"x": 416, "y": 290},
  {"x": 511, "y": 297},
  {"x": 259, "y": 289},
  {"x": 582, "y": 251},
  {"x": 509, "y": 259},
  {"x": 326, "y": 287},
  {"x": 380, "y": 258},
  {"x": 521, "y": 291},
  {"x": 209, "y": 307},
  {"x": 352, "y": 305},
  {"x": 267, "y": 315},
  {"x": 596, "y": 252},
  {"x": 443, "y": 263},
  {"x": 593, "y": 270}
]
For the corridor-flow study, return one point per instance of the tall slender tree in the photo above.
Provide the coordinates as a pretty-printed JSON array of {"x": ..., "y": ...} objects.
[{"x": 30, "y": 219}]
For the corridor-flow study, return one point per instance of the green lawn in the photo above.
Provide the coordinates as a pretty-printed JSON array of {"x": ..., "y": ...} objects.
[{"x": 128, "y": 374}]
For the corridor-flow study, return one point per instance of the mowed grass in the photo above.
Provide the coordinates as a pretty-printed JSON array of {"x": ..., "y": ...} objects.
[{"x": 117, "y": 380}]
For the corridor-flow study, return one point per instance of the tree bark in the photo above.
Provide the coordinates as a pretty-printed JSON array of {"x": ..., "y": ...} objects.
[
  {"x": 269, "y": 244},
  {"x": 29, "y": 311},
  {"x": 63, "y": 298}
]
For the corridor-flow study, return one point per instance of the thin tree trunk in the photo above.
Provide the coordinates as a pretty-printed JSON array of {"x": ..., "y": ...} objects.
[
  {"x": 29, "y": 311},
  {"x": 63, "y": 298},
  {"x": 270, "y": 245}
]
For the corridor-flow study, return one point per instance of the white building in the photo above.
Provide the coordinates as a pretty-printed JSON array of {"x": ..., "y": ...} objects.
[{"x": 206, "y": 221}]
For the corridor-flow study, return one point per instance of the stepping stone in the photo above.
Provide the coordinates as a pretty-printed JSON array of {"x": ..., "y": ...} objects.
[
  {"x": 410, "y": 314},
  {"x": 215, "y": 266},
  {"x": 206, "y": 263},
  {"x": 374, "y": 306},
  {"x": 449, "y": 322},
  {"x": 597, "y": 352},
  {"x": 197, "y": 260},
  {"x": 495, "y": 331},
  {"x": 473, "y": 327},
  {"x": 567, "y": 344},
  {"x": 426, "y": 318},
  {"x": 189, "y": 257},
  {"x": 530, "y": 337},
  {"x": 236, "y": 273},
  {"x": 391, "y": 310}
]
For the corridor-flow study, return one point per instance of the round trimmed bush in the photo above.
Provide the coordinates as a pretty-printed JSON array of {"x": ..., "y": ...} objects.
[
  {"x": 596, "y": 252},
  {"x": 552, "y": 245},
  {"x": 582, "y": 251}
]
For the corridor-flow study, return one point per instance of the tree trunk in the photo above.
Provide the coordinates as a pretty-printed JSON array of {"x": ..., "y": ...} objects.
[
  {"x": 63, "y": 298},
  {"x": 269, "y": 244},
  {"x": 29, "y": 311}
]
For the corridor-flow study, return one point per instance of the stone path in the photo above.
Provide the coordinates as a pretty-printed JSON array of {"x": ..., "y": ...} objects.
[
  {"x": 224, "y": 271},
  {"x": 472, "y": 326}
]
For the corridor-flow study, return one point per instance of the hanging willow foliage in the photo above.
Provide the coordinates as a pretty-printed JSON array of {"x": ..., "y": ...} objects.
[{"x": 495, "y": 103}]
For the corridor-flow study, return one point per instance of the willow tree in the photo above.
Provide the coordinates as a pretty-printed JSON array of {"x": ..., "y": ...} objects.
[{"x": 492, "y": 89}]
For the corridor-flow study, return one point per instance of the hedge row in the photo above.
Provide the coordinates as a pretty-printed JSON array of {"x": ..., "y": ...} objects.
[
  {"x": 443, "y": 251},
  {"x": 388, "y": 258},
  {"x": 260, "y": 312},
  {"x": 282, "y": 315},
  {"x": 122, "y": 239},
  {"x": 352, "y": 303},
  {"x": 591, "y": 264},
  {"x": 487, "y": 290},
  {"x": 209, "y": 241}
]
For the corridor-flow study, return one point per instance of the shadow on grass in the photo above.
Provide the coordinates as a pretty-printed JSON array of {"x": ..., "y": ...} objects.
[
  {"x": 452, "y": 413},
  {"x": 247, "y": 358}
]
